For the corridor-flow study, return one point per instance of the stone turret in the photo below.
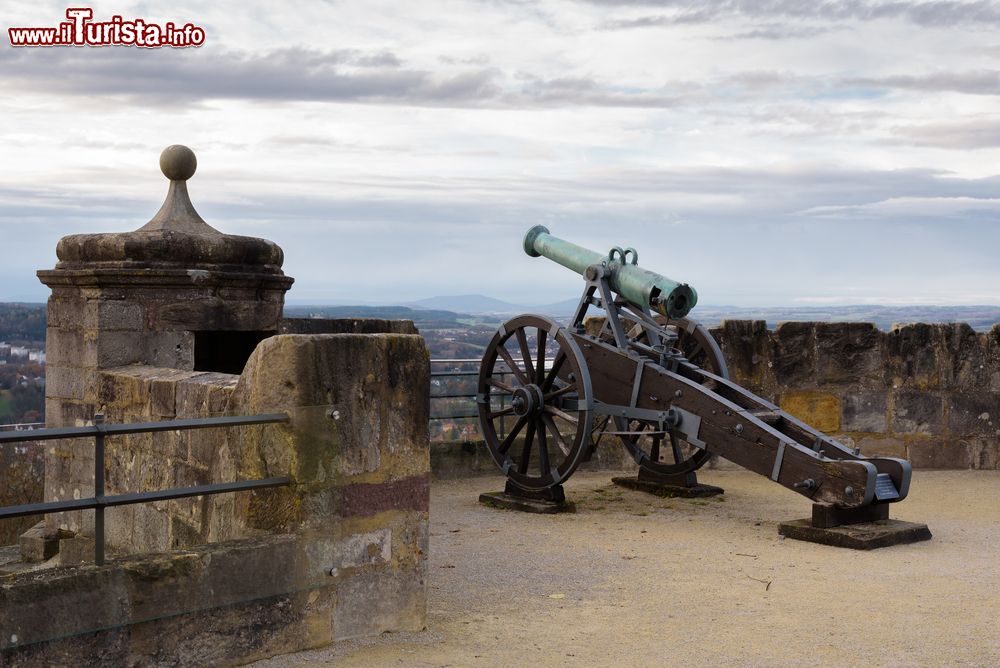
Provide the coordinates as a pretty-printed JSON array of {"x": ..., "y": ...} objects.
[{"x": 174, "y": 293}]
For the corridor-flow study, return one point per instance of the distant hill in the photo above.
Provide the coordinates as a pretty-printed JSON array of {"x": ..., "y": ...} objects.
[
  {"x": 467, "y": 304},
  {"x": 980, "y": 318}
]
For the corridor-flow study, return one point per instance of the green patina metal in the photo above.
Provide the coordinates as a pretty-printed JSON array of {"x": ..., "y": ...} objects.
[{"x": 640, "y": 286}]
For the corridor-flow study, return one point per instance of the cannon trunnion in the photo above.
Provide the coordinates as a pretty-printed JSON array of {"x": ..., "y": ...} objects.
[{"x": 657, "y": 381}]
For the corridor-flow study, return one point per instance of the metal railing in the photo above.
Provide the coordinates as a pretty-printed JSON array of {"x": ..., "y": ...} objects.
[
  {"x": 99, "y": 431},
  {"x": 471, "y": 412}
]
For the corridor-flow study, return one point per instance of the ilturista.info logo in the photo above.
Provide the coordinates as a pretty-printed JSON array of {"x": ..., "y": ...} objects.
[{"x": 82, "y": 30}]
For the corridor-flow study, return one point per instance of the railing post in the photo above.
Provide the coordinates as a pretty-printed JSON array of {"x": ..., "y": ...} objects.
[{"x": 99, "y": 490}]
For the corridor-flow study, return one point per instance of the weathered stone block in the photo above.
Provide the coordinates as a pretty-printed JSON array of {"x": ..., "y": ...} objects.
[
  {"x": 162, "y": 398},
  {"x": 974, "y": 414},
  {"x": 76, "y": 550},
  {"x": 864, "y": 411},
  {"x": 120, "y": 314},
  {"x": 41, "y": 542},
  {"x": 848, "y": 352},
  {"x": 793, "y": 355},
  {"x": 882, "y": 447},
  {"x": 66, "y": 312},
  {"x": 67, "y": 382},
  {"x": 151, "y": 532},
  {"x": 984, "y": 452},
  {"x": 174, "y": 350},
  {"x": 964, "y": 354},
  {"x": 818, "y": 409},
  {"x": 913, "y": 355},
  {"x": 118, "y": 348},
  {"x": 917, "y": 413},
  {"x": 745, "y": 348},
  {"x": 68, "y": 348},
  {"x": 937, "y": 454}
]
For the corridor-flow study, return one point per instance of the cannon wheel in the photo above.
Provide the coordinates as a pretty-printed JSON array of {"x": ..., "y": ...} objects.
[
  {"x": 549, "y": 407},
  {"x": 673, "y": 455}
]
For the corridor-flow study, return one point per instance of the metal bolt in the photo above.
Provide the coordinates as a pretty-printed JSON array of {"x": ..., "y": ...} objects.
[
  {"x": 653, "y": 397},
  {"x": 848, "y": 491},
  {"x": 678, "y": 394},
  {"x": 738, "y": 428}
]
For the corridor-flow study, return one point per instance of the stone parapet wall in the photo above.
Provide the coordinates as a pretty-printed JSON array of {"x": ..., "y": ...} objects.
[
  {"x": 340, "y": 553},
  {"x": 927, "y": 392}
]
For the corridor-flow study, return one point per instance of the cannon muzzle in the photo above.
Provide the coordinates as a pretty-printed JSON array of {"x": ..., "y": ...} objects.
[{"x": 639, "y": 286}]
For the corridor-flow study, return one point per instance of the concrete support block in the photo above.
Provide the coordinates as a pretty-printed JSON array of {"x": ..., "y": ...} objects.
[{"x": 868, "y": 536}]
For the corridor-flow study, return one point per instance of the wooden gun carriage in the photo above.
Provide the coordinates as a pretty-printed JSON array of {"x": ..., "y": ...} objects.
[{"x": 657, "y": 381}]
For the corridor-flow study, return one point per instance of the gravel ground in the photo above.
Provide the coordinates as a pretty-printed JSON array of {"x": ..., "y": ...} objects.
[{"x": 635, "y": 580}]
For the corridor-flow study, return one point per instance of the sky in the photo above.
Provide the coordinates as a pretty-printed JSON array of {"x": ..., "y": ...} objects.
[{"x": 768, "y": 152}]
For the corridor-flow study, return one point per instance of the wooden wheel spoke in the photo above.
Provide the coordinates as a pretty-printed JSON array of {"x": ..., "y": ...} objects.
[
  {"x": 561, "y": 391},
  {"x": 676, "y": 449},
  {"x": 513, "y": 365},
  {"x": 654, "y": 450},
  {"x": 529, "y": 436},
  {"x": 500, "y": 385},
  {"x": 522, "y": 343},
  {"x": 540, "y": 365},
  {"x": 550, "y": 424},
  {"x": 552, "y": 410},
  {"x": 500, "y": 413},
  {"x": 515, "y": 430},
  {"x": 550, "y": 378},
  {"x": 543, "y": 452}
]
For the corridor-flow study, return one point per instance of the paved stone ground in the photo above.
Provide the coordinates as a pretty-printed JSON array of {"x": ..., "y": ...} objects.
[{"x": 636, "y": 580}]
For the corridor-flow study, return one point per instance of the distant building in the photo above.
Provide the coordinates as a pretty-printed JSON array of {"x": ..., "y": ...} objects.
[{"x": 37, "y": 356}]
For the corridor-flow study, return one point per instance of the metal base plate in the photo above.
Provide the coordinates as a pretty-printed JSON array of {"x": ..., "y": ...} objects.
[
  {"x": 525, "y": 505},
  {"x": 668, "y": 490},
  {"x": 863, "y": 536}
]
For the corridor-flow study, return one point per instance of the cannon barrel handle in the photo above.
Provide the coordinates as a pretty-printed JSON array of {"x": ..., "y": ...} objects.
[{"x": 639, "y": 286}]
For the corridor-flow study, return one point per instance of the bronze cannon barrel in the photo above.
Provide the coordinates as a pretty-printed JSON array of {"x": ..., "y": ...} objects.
[{"x": 639, "y": 286}]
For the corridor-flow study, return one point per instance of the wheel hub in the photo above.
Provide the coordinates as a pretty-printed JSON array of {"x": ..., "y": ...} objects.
[{"x": 527, "y": 400}]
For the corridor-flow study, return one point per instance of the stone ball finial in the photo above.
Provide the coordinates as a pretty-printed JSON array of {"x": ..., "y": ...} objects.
[{"x": 178, "y": 163}]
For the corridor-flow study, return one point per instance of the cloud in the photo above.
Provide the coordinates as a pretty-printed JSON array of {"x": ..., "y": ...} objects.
[
  {"x": 939, "y": 14},
  {"x": 296, "y": 74},
  {"x": 163, "y": 76},
  {"x": 978, "y": 82},
  {"x": 777, "y": 31},
  {"x": 965, "y": 135}
]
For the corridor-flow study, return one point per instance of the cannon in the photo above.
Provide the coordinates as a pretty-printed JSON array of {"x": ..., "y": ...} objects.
[{"x": 651, "y": 377}]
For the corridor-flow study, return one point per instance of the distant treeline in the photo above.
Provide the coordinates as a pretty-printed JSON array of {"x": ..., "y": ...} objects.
[
  {"x": 418, "y": 316},
  {"x": 22, "y": 323}
]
